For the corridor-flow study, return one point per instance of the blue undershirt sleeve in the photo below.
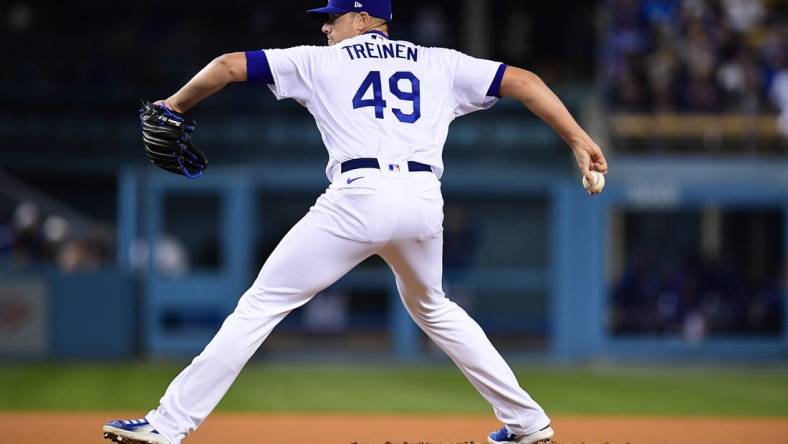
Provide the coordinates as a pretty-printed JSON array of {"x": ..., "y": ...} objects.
[
  {"x": 495, "y": 87},
  {"x": 257, "y": 68}
]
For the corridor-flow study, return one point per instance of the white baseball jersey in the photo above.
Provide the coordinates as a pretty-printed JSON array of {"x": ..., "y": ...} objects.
[{"x": 381, "y": 98}]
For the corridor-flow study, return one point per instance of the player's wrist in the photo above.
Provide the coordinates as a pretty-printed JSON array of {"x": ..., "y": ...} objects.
[
  {"x": 172, "y": 105},
  {"x": 581, "y": 143}
]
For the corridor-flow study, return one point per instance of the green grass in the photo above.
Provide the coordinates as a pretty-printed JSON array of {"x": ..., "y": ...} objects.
[{"x": 405, "y": 389}]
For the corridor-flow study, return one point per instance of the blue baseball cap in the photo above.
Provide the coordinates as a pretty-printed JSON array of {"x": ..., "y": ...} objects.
[{"x": 376, "y": 8}]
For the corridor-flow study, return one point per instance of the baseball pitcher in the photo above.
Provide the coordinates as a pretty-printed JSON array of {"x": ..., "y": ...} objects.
[{"x": 383, "y": 108}]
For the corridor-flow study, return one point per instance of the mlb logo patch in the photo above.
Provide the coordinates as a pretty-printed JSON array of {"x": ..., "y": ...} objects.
[
  {"x": 358, "y": 5},
  {"x": 394, "y": 167}
]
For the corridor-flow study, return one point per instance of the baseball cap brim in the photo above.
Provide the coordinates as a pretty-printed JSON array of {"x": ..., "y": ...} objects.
[{"x": 321, "y": 14}]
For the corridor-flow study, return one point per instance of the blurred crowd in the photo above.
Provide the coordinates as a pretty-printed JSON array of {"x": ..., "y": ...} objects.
[
  {"x": 693, "y": 300},
  {"x": 33, "y": 240},
  {"x": 697, "y": 56}
]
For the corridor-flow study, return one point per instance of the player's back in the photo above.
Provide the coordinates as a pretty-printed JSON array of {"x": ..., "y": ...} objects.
[{"x": 381, "y": 98}]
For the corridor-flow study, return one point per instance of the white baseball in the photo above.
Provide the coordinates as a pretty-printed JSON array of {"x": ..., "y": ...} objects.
[{"x": 597, "y": 186}]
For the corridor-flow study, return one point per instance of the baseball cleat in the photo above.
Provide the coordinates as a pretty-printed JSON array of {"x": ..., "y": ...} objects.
[
  {"x": 134, "y": 431},
  {"x": 504, "y": 436}
]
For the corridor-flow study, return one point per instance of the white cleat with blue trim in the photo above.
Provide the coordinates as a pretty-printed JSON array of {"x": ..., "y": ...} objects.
[
  {"x": 504, "y": 436},
  {"x": 133, "y": 431}
]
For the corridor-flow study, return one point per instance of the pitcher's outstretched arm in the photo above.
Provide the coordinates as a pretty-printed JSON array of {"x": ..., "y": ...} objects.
[{"x": 528, "y": 88}]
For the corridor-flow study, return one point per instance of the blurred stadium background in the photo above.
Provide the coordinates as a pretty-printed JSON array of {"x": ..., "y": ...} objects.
[{"x": 682, "y": 259}]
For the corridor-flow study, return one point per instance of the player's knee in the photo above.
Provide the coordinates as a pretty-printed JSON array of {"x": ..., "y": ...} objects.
[{"x": 430, "y": 310}]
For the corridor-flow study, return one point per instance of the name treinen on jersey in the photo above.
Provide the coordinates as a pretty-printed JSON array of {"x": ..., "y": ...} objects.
[{"x": 370, "y": 50}]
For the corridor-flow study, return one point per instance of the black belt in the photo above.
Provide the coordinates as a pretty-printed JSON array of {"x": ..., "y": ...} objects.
[{"x": 356, "y": 164}]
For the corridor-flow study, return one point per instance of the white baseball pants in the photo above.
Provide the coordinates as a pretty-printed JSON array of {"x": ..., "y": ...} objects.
[{"x": 397, "y": 215}]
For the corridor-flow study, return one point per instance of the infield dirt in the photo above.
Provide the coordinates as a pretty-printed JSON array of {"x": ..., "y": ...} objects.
[{"x": 85, "y": 428}]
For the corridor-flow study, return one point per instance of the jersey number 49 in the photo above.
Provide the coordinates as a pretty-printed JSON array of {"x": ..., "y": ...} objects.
[{"x": 373, "y": 81}]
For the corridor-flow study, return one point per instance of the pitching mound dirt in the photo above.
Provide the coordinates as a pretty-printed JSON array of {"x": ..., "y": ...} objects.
[{"x": 84, "y": 428}]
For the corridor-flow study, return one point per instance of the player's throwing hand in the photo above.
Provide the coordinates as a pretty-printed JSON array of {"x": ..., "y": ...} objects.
[{"x": 590, "y": 158}]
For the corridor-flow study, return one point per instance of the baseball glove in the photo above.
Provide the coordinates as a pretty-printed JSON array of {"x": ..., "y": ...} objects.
[{"x": 167, "y": 139}]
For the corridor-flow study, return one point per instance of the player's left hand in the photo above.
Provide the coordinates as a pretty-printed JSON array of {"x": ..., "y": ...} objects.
[
  {"x": 166, "y": 135},
  {"x": 590, "y": 158}
]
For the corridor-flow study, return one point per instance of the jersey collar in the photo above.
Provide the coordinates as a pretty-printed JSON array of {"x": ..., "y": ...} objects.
[{"x": 380, "y": 33}]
